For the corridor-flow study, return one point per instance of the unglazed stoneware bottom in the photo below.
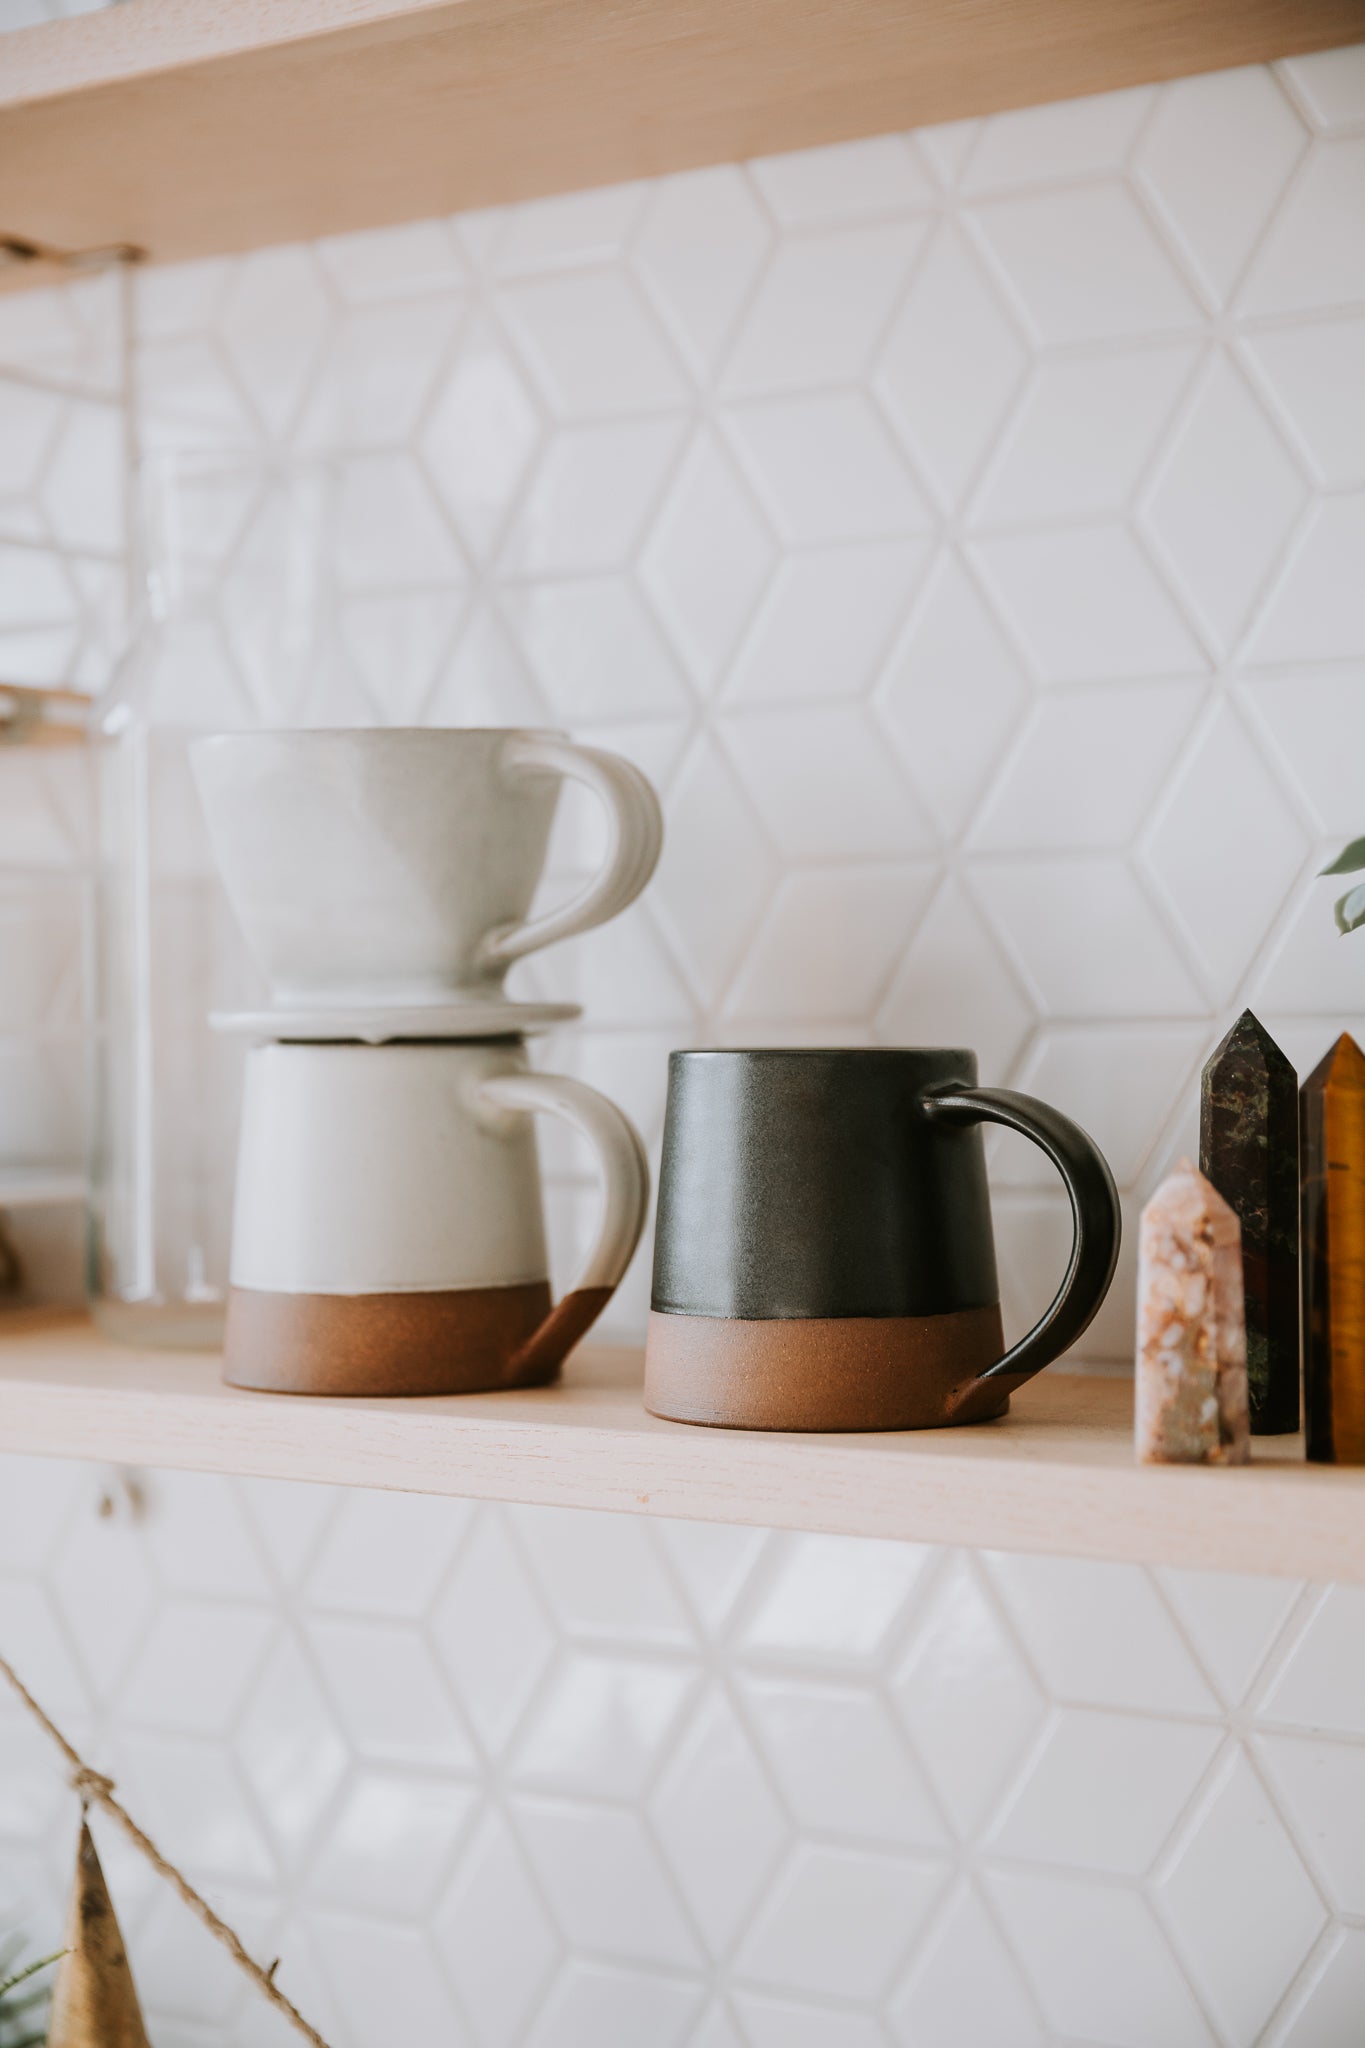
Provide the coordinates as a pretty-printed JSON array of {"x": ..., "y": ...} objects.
[
  {"x": 468, "y": 1340},
  {"x": 826, "y": 1373}
]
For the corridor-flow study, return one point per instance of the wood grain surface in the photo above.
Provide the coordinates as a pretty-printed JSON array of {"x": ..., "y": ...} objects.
[
  {"x": 188, "y": 127},
  {"x": 1056, "y": 1475}
]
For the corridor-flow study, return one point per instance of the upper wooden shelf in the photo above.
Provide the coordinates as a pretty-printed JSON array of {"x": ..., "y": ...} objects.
[
  {"x": 189, "y": 127},
  {"x": 1057, "y": 1475}
]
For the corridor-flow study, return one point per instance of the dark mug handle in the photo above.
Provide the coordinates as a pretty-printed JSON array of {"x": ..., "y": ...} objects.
[{"x": 1095, "y": 1217}]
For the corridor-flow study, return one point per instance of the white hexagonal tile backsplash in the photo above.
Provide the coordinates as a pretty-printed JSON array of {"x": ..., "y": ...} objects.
[
  {"x": 964, "y": 530},
  {"x": 525, "y": 1776}
]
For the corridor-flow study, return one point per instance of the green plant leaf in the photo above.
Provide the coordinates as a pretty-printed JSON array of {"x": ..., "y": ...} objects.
[
  {"x": 1349, "y": 861},
  {"x": 30, "y": 1970},
  {"x": 1349, "y": 910}
]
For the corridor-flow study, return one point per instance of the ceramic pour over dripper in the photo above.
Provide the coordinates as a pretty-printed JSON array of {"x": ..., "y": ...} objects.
[{"x": 395, "y": 869}]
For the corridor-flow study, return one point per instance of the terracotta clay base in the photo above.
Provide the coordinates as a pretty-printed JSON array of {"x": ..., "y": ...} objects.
[
  {"x": 817, "y": 1373},
  {"x": 470, "y": 1340}
]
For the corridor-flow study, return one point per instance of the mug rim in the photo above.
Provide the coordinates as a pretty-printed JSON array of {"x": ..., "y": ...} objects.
[
  {"x": 821, "y": 1052},
  {"x": 390, "y": 1045},
  {"x": 267, "y": 733}
]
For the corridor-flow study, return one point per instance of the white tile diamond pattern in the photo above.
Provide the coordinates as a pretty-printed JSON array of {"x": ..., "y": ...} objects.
[
  {"x": 1087, "y": 605},
  {"x": 871, "y": 909},
  {"x": 1049, "y": 796},
  {"x": 965, "y": 531},
  {"x": 1214, "y": 161},
  {"x": 1225, "y": 896},
  {"x": 1225, "y": 501},
  {"x": 1100, "y": 1635},
  {"x": 495, "y": 1936},
  {"x": 841, "y": 1763},
  {"x": 1034, "y": 145},
  {"x": 1104, "y": 1792},
  {"x": 952, "y": 949},
  {"x": 821, "y": 307},
  {"x": 1097, "y": 1962},
  {"x": 1312, "y": 255},
  {"x": 592, "y": 344},
  {"x": 1329, "y": 2006},
  {"x": 855, "y": 803},
  {"x": 1316, "y": 1782},
  {"x": 480, "y": 436},
  {"x": 809, "y": 187},
  {"x": 965, "y": 1987},
  {"x": 825, "y": 624},
  {"x": 951, "y": 694},
  {"x": 1084, "y": 264},
  {"x": 966, "y": 1697},
  {"x": 719, "y": 1820},
  {"x": 950, "y": 363},
  {"x": 1316, "y": 611},
  {"x": 1322, "y": 1686},
  {"x": 1310, "y": 374},
  {"x": 699, "y": 254},
  {"x": 376, "y": 378},
  {"x": 838, "y": 1920},
  {"x": 707, "y": 559},
  {"x": 1330, "y": 86},
  {"x": 572, "y": 229},
  {"x": 273, "y": 323},
  {"x": 1231, "y": 1622},
  {"x": 826, "y": 468},
  {"x": 1082, "y": 434},
  {"x": 1237, "y": 1828}
]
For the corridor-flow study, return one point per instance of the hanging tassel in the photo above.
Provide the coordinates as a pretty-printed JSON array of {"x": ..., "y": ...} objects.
[
  {"x": 94, "y": 2000},
  {"x": 86, "y": 2018}
]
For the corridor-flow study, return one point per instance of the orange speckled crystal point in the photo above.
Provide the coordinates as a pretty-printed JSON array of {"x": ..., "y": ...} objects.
[
  {"x": 1191, "y": 1355},
  {"x": 1332, "y": 1127}
]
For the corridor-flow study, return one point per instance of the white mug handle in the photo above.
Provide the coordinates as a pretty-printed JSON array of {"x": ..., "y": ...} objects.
[
  {"x": 625, "y": 1177},
  {"x": 637, "y": 834}
]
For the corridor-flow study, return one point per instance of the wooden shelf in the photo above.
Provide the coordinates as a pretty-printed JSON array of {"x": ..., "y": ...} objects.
[
  {"x": 189, "y": 127},
  {"x": 1057, "y": 1475}
]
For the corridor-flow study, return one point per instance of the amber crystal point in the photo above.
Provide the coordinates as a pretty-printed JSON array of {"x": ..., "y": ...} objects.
[
  {"x": 94, "y": 2000},
  {"x": 1333, "y": 1128},
  {"x": 1191, "y": 1341},
  {"x": 1249, "y": 1150}
]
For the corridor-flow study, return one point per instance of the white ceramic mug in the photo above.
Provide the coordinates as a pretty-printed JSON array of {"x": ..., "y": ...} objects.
[
  {"x": 397, "y": 866},
  {"x": 388, "y": 1234}
]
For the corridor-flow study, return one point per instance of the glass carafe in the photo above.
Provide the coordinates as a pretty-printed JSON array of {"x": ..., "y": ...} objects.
[{"x": 235, "y": 556}]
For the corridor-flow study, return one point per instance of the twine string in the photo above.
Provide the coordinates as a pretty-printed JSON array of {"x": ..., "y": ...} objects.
[{"x": 94, "y": 1789}]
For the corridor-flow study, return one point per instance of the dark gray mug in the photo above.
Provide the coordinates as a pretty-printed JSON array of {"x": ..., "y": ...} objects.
[{"x": 824, "y": 1257}]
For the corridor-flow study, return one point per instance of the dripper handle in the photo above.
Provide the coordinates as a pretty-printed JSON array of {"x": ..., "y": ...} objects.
[{"x": 636, "y": 828}]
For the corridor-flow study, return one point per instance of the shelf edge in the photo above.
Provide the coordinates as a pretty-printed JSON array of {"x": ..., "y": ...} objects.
[{"x": 1273, "y": 1521}]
